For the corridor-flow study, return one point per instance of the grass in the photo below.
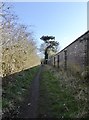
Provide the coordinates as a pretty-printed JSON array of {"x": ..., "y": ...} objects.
[
  {"x": 16, "y": 90},
  {"x": 56, "y": 100}
]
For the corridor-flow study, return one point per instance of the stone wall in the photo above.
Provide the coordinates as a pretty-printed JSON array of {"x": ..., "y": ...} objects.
[{"x": 75, "y": 55}]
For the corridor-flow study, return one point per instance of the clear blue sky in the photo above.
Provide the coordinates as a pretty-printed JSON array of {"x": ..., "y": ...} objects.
[{"x": 66, "y": 21}]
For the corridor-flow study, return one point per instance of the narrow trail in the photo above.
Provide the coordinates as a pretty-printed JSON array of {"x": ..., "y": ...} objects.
[{"x": 30, "y": 107}]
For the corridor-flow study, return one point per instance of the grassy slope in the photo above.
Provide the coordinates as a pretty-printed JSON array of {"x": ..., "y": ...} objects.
[
  {"x": 15, "y": 91},
  {"x": 56, "y": 100}
]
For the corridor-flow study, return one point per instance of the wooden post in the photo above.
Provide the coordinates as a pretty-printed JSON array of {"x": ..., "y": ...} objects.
[
  {"x": 58, "y": 61},
  {"x": 54, "y": 61},
  {"x": 65, "y": 55}
]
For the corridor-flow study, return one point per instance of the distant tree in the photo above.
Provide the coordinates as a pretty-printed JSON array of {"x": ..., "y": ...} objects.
[{"x": 49, "y": 45}]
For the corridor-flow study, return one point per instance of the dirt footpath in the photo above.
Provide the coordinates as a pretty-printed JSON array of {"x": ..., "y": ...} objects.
[{"x": 30, "y": 107}]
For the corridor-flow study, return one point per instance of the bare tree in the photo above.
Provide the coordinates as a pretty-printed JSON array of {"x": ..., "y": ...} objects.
[{"x": 18, "y": 45}]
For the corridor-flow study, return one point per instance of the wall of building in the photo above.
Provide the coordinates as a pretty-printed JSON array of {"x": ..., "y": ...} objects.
[{"x": 75, "y": 55}]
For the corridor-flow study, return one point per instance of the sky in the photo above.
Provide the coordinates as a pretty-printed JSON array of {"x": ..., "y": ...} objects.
[
  {"x": 66, "y": 21},
  {"x": 88, "y": 15}
]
